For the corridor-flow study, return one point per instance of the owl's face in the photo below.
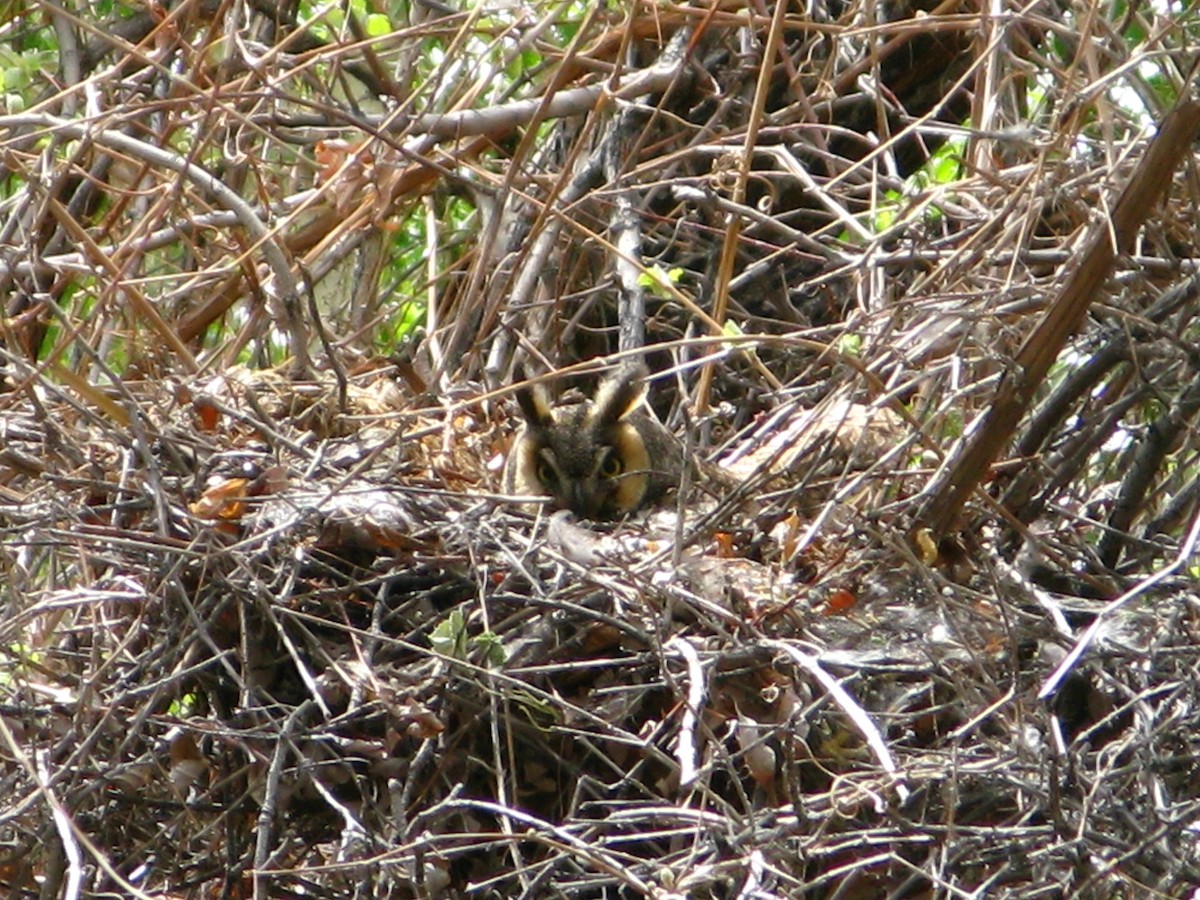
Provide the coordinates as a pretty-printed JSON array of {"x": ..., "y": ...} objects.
[{"x": 590, "y": 458}]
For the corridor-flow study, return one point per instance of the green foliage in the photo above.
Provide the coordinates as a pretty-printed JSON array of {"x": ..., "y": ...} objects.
[
  {"x": 378, "y": 25},
  {"x": 491, "y": 648},
  {"x": 538, "y": 711},
  {"x": 850, "y": 344},
  {"x": 522, "y": 63},
  {"x": 952, "y": 426},
  {"x": 409, "y": 315},
  {"x": 21, "y": 73},
  {"x": 106, "y": 9},
  {"x": 945, "y": 166},
  {"x": 24, "y": 30},
  {"x": 1163, "y": 86},
  {"x": 658, "y": 280},
  {"x": 942, "y": 169},
  {"x": 569, "y": 22},
  {"x": 329, "y": 22},
  {"x": 406, "y": 272},
  {"x": 888, "y": 211},
  {"x": 186, "y": 706},
  {"x": 450, "y": 638}
]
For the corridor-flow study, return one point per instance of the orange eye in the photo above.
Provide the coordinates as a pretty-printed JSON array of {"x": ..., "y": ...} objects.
[{"x": 611, "y": 466}]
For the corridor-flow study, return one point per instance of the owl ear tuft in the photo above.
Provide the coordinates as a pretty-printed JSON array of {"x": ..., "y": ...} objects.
[
  {"x": 619, "y": 395},
  {"x": 536, "y": 405}
]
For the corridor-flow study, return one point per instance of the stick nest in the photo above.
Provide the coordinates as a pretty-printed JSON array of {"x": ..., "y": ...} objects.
[{"x": 272, "y": 629}]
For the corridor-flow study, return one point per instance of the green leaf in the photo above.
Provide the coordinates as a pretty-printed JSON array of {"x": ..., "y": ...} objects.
[
  {"x": 945, "y": 169},
  {"x": 185, "y": 706},
  {"x": 492, "y": 648},
  {"x": 656, "y": 279},
  {"x": 850, "y": 344},
  {"x": 449, "y": 637},
  {"x": 378, "y": 25}
]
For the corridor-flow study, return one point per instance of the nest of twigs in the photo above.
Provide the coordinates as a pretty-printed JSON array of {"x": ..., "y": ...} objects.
[{"x": 272, "y": 627}]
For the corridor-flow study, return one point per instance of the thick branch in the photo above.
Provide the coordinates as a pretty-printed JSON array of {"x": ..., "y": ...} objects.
[{"x": 1066, "y": 313}]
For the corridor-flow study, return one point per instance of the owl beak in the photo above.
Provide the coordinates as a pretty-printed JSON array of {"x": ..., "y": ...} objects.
[{"x": 583, "y": 500}]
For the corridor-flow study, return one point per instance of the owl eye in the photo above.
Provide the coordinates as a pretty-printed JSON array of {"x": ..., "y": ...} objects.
[
  {"x": 546, "y": 474},
  {"x": 610, "y": 466}
]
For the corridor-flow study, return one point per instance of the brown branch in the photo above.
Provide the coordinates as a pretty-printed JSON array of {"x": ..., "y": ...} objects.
[{"x": 1066, "y": 313}]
